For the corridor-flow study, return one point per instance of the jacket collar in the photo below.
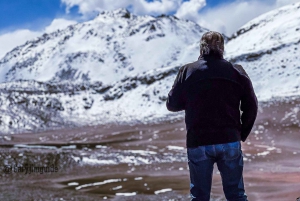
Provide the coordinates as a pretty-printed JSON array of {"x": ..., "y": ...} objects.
[{"x": 210, "y": 57}]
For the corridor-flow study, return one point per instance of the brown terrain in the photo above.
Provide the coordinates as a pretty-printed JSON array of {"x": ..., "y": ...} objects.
[{"x": 147, "y": 161}]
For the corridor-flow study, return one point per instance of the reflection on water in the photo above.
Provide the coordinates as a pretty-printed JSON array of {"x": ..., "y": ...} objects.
[{"x": 127, "y": 186}]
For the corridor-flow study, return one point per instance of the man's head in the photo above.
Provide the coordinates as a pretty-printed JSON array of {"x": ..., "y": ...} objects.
[{"x": 212, "y": 43}]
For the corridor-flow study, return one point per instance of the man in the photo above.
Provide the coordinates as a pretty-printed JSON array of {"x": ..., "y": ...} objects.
[{"x": 212, "y": 92}]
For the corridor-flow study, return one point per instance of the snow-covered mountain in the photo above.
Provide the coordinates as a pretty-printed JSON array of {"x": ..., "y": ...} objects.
[
  {"x": 269, "y": 49},
  {"x": 106, "y": 49},
  {"x": 120, "y": 67}
]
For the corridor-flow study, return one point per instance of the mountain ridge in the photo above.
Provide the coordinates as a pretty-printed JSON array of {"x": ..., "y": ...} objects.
[{"x": 113, "y": 38}]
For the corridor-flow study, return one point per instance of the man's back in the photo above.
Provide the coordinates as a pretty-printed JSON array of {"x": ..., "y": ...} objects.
[{"x": 210, "y": 91}]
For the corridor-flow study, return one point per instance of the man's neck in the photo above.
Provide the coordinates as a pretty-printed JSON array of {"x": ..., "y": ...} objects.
[{"x": 210, "y": 56}]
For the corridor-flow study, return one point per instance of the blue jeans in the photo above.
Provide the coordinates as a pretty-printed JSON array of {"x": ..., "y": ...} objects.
[{"x": 229, "y": 160}]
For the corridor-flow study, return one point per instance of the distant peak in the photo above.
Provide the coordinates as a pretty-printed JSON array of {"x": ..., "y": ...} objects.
[{"x": 120, "y": 12}]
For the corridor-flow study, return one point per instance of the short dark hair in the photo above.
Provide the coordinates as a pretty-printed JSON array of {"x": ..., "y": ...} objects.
[{"x": 212, "y": 43}]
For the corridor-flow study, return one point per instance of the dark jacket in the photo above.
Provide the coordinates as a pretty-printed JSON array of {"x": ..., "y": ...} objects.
[{"x": 212, "y": 92}]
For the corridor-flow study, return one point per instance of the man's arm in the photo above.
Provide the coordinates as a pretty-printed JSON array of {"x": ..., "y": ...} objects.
[
  {"x": 249, "y": 106},
  {"x": 177, "y": 96}
]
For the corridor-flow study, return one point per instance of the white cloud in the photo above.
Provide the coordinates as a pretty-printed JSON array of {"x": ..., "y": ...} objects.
[
  {"x": 140, "y": 7},
  {"x": 10, "y": 40},
  {"x": 155, "y": 7},
  {"x": 189, "y": 9},
  {"x": 228, "y": 18},
  {"x": 59, "y": 23}
]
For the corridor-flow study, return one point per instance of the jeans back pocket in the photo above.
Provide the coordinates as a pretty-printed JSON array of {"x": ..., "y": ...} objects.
[
  {"x": 196, "y": 154},
  {"x": 231, "y": 150}
]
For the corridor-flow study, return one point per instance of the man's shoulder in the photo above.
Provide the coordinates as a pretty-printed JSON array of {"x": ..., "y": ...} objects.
[
  {"x": 192, "y": 67},
  {"x": 239, "y": 68}
]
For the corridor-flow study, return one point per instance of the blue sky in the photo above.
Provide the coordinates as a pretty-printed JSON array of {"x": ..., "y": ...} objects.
[
  {"x": 31, "y": 14},
  {"x": 23, "y": 20}
]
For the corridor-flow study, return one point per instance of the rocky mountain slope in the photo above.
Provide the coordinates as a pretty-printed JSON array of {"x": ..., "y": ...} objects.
[
  {"x": 33, "y": 105},
  {"x": 269, "y": 49},
  {"x": 120, "y": 68}
]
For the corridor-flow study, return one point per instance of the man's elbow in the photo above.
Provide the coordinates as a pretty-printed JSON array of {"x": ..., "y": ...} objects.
[
  {"x": 255, "y": 108},
  {"x": 173, "y": 108},
  {"x": 251, "y": 109}
]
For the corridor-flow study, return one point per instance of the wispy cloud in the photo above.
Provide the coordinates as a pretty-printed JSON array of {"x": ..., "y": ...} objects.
[
  {"x": 190, "y": 9},
  {"x": 140, "y": 7},
  {"x": 228, "y": 18},
  {"x": 58, "y": 23},
  {"x": 15, "y": 38},
  {"x": 12, "y": 39}
]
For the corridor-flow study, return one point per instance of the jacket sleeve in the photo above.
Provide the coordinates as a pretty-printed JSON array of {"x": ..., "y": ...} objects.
[
  {"x": 249, "y": 107},
  {"x": 177, "y": 96}
]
